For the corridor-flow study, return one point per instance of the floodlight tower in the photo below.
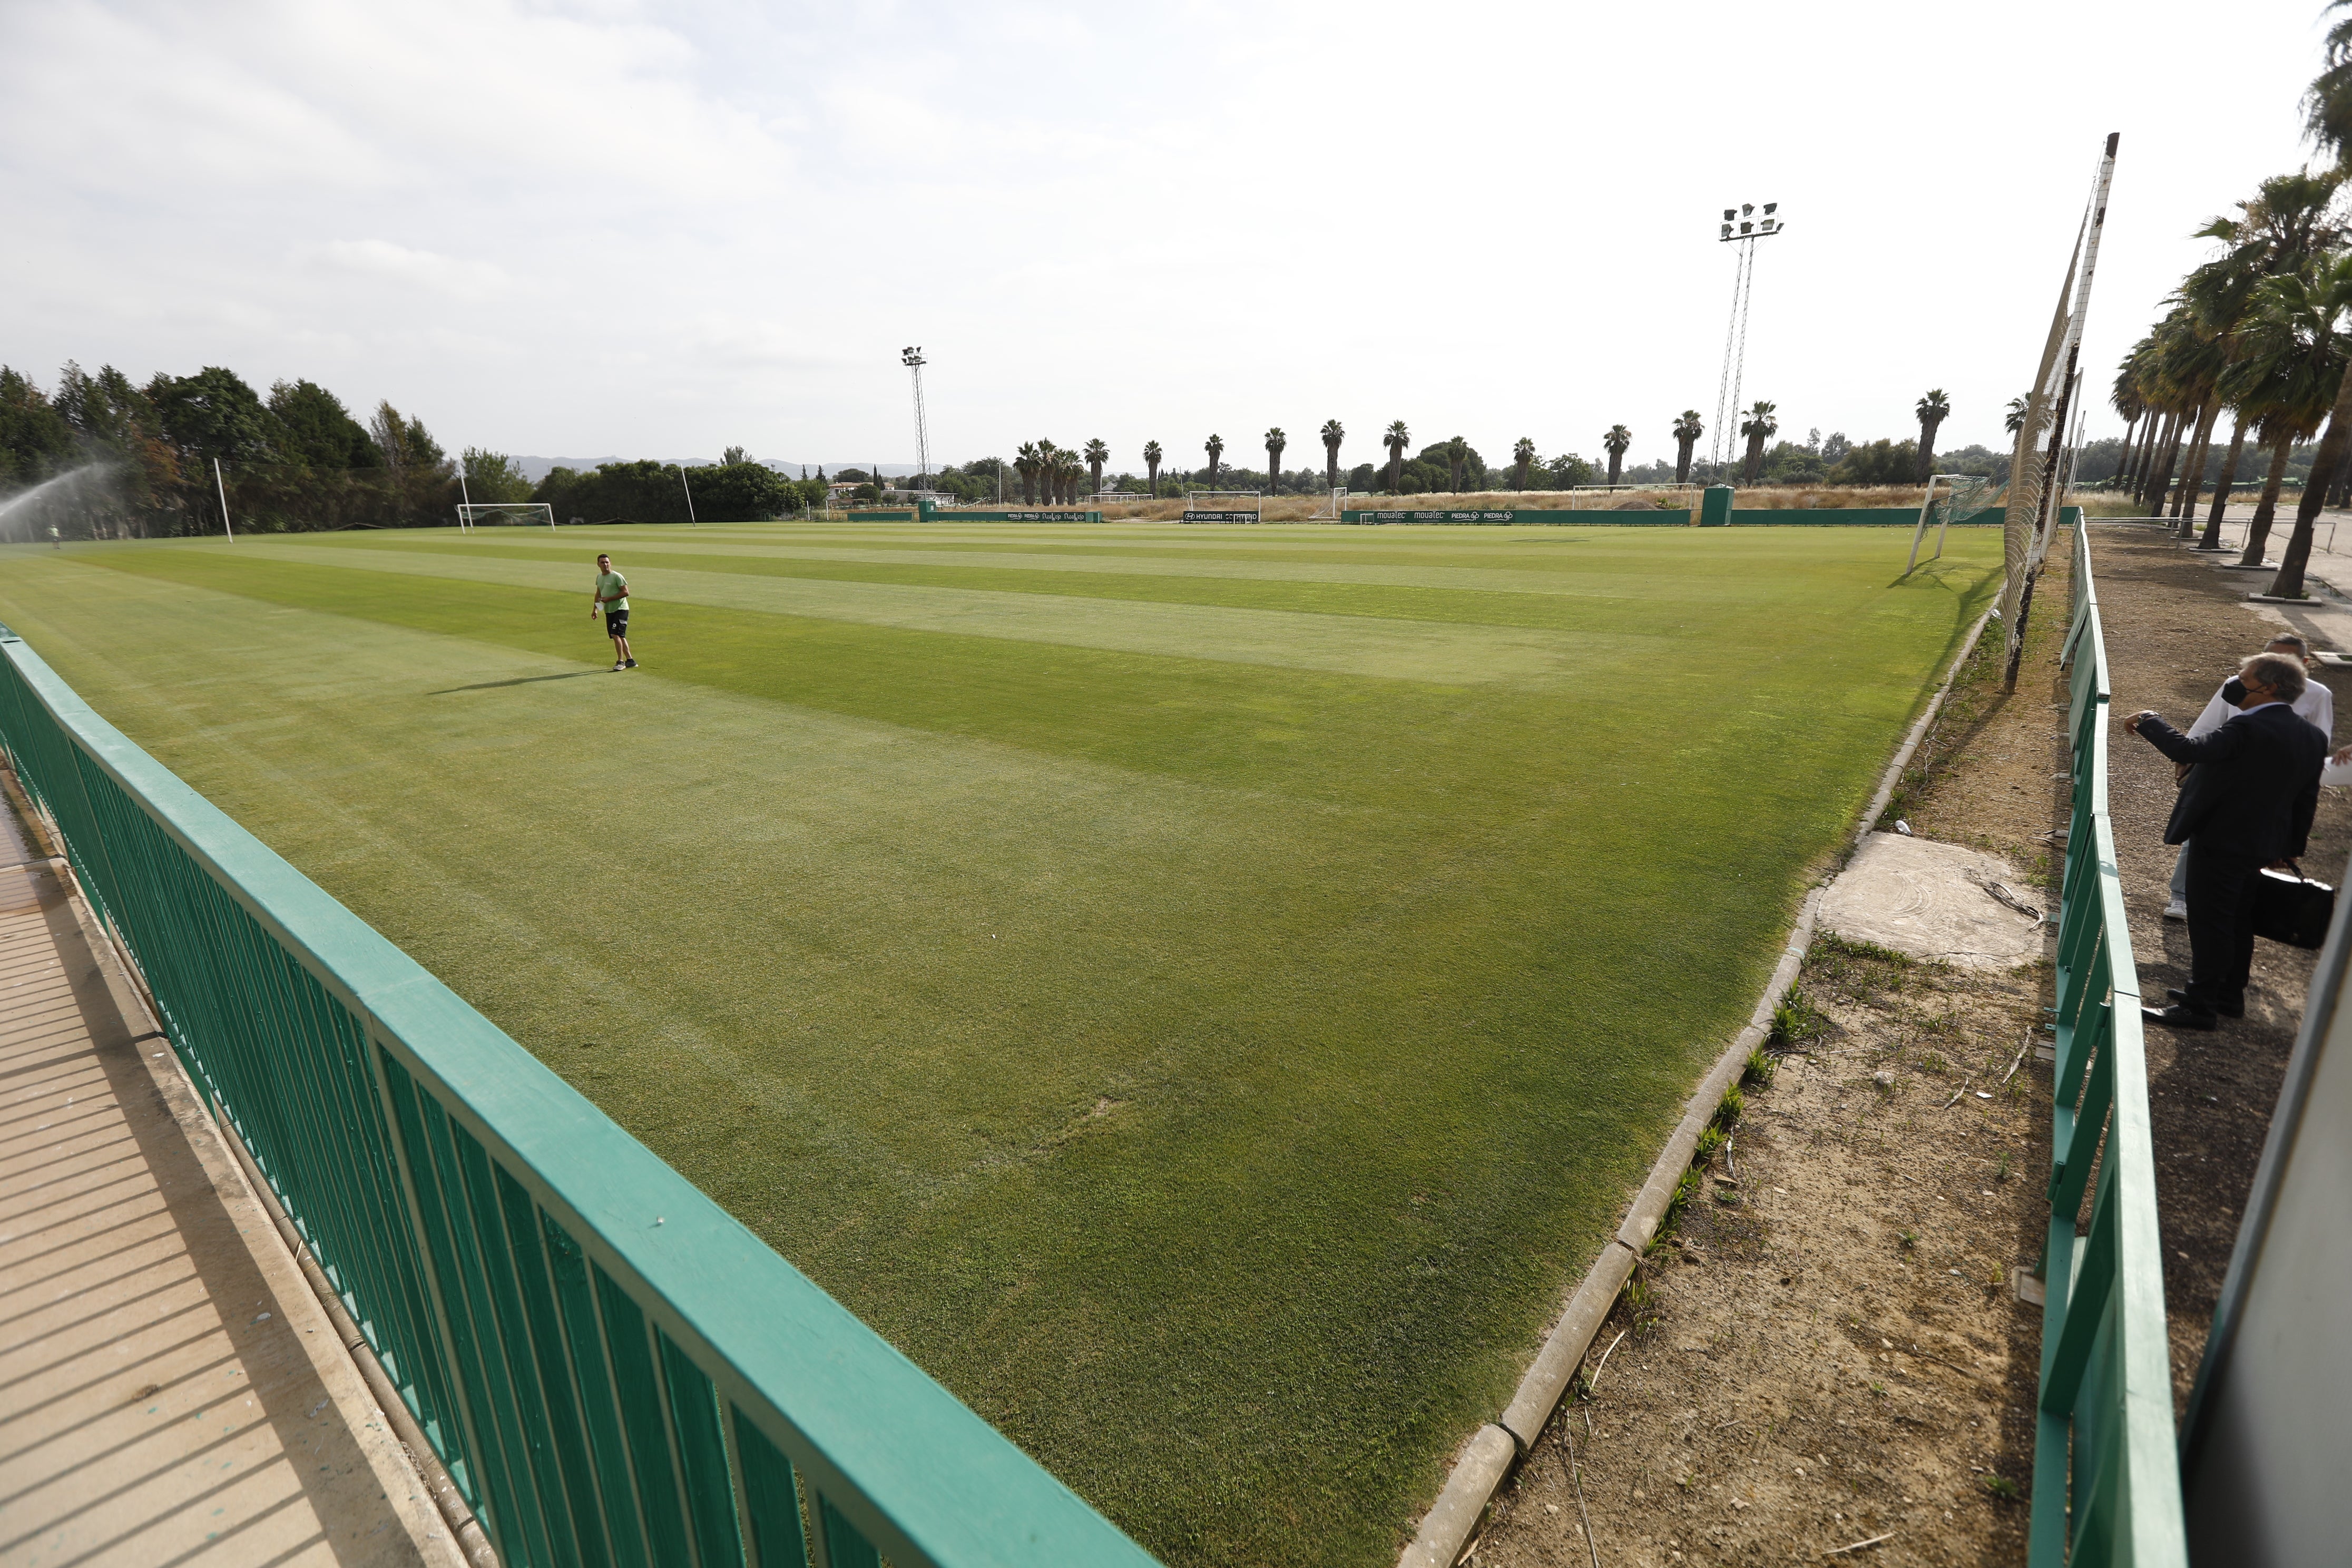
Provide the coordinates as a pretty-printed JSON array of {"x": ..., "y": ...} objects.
[
  {"x": 1742, "y": 226},
  {"x": 912, "y": 358}
]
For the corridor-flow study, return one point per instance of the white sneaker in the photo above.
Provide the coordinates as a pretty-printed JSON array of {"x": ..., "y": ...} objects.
[
  {"x": 618, "y": 666},
  {"x": 2176, "y": 910}
]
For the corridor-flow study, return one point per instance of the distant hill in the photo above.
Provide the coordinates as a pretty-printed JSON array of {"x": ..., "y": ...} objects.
[{"x": 535, "y": 468}]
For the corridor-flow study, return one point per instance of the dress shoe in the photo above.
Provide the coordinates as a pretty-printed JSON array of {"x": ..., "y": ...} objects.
[
  {"x": 2179, "y": 1016},
  {"x": 2227, "y": 1009}
]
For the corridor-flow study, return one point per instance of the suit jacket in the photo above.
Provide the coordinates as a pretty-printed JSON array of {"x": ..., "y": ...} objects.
[{"x": 2253, "y": 788}]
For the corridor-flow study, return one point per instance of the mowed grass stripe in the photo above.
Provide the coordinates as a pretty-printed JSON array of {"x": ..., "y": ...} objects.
[
  {"x": 1212, "y": 1072},
  {"x": 1572, "y": 561},
  {"x": 1609, "y": 599},
  {"x": 1438, "y": 651},
  {"x": 1575, "y": 569}
]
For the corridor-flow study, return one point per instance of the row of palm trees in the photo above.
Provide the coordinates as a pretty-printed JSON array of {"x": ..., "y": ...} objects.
[
  {"x": 2262, "y": 333},
  {"x": 1050, "y": 473},
  {"x": 2258, "y": 334}
]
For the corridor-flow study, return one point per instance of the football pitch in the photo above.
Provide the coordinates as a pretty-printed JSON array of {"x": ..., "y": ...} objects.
[{"x": 1201, "y": 993}]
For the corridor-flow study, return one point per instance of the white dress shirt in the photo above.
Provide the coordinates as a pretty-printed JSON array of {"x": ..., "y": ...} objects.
[{"x": 2317, "y": 706}]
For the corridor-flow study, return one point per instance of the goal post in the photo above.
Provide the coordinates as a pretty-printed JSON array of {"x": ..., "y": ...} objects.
[
  {"x": 1224, "y": 506},
  {"x": 1961, "y": 493},
  {"x": 509, "y": 513}
]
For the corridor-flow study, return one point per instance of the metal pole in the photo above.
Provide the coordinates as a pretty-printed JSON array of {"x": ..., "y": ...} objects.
[
  {"x": 466, "y": 503},
  {"x": 1747, "y": 293},
  {"x": 223, "y": 489},
  {"x": 1926, "y": 503},
  {"x": 2069, "y": 338},
  {"x": 689, "y": 497},
  {"x": 1723, "y": 383}
]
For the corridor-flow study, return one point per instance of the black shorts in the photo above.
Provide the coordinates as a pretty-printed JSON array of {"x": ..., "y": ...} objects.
[{"x": 617, "y": 623}]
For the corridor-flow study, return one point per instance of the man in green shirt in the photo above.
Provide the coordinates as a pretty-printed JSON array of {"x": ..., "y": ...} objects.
[{"x": 613, "y": 602}]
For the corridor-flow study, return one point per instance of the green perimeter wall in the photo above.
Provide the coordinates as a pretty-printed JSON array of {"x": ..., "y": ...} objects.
[
  {"x": 1852, "y": 516},
  {"x": 1812, "y": 517},
  {"x": 974, "y": 514},
  {"x": 1662, "y": 519}
]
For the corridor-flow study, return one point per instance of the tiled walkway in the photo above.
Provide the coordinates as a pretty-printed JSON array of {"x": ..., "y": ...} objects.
[{"x": 170, "y": 1389}]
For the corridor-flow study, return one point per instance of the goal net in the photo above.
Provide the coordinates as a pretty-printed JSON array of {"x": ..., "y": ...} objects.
[
  {"x": 1224, "y": 505},
  {"x": 1633, "y": 498},
  {"x": 504, "y": 514},
  {"x": 1950, "y": 498}
]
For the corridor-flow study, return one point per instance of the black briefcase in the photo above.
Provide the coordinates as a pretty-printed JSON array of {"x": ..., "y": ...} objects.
[{"x": 2290, "y": 909}]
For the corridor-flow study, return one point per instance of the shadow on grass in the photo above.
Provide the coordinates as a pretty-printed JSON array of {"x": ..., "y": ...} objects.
[{"x": 517, "y": 680}]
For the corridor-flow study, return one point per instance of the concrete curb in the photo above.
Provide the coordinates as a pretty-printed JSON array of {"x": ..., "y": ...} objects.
[{"x": 1486, "y": 1461}]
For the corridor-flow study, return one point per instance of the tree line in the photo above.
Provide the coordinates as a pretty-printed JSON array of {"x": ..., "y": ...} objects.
[
  {"x": 2259, "y": 335},
  {"x": 166, "y": 452},
  {"x": 296, "y": 458},
  {"x": 1043, "y": 472}
]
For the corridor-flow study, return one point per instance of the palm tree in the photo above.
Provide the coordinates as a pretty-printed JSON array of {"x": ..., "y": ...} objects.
[
  {"x": 1049, "y": 472},
  {"x": 2288, "y": 222},
  {"x": 2126, "y": 402},
  {"x": 1457, "y": 456},
  {"x": 1097, "y": 454},
  {"x": 1152, "y": 455},
  {"x": 1215, "y": 447},
  {"x": 1333, "y": 434},
  {"x": 1617, "y": 440},
  {"x": 1396, "y": 438},
  {"x": 1275, "y": 442},
  {"x": 1933, "y": 410},
  {"x": 1024, "y": 463},
  {"x": 1757, "y": 428},
  {"x": 1688, "y": 429},
  {"x": 2295, "y": 354},
  {"x": 1523, "y": 457},
  {"x": 2327, "y": 108},
  {"x": 2012, "y": 419}
]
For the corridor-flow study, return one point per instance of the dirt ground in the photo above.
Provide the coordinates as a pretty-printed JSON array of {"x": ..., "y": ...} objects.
[{"x": 1828, "y": 1350}]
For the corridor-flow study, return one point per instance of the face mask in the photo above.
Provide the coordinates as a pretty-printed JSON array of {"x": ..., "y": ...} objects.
[{"x": 2234, "y": 692}]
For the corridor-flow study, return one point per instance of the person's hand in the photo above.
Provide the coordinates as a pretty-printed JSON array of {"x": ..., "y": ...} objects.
[
  {"x": 2180, "y": 770},
  {"x": 2132, "y": 724},
  {"x": 2343, "y": 756}
]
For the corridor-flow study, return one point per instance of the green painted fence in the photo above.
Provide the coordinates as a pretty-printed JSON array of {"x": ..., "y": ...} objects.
[
  {"x": 2106, "y": 1480},
  {"x": 1745, "y": 517},
  {"x": 1850, "y": 517},
  {"x": 1597, "y": 517},
  {"x": 615, "y": 1373},
  {"x": 977, "y": 514}
]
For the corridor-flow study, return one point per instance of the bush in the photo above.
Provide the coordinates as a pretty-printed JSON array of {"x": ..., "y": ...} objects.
[
  {"x": 740, "y": 492},
  {"x": 1880, "y": 462}
]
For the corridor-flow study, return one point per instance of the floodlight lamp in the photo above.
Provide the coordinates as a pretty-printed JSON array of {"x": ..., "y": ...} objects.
[
  {"x": 1746, "y": 227},
  {"x": 1771, "y": 208},
  {"x": 1726, "y": 231},
  {"x": 1747, "y": 208},
  {"x": 1728, "y": 214}
]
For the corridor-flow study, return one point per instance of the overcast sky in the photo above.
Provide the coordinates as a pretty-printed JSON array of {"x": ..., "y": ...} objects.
[{"x": 656, "y": 229}]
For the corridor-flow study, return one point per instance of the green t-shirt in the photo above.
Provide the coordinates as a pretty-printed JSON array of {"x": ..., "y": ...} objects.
[{"x": 613, "y": 584}]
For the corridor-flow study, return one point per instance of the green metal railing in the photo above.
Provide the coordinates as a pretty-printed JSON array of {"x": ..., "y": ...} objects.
[
  {"x": 615, "y": 1373},
  {"x": 2106, "y": 1478}
]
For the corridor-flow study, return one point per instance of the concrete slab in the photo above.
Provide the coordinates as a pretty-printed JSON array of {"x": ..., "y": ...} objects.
[
  {"x": 171, "y": 1391},
  {"x": 1931, "y": 900}
]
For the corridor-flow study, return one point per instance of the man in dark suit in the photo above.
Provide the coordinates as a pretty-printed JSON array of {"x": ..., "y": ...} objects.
[{"x": 2246, "y": 804}]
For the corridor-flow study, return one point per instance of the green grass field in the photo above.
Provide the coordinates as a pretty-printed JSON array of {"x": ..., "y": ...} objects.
[{"x": 1202, "y": 993}]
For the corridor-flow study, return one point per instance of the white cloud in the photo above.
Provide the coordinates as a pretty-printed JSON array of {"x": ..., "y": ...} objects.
[
  {"x": 457, "y": 277},
  {"x": 617, "y": 227}
]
